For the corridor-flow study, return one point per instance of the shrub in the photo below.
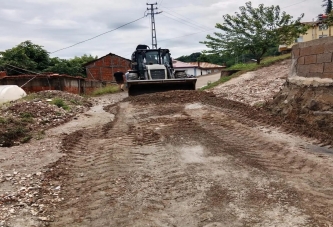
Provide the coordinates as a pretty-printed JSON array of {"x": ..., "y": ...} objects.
[
  {"x": 106, "y": 90},
  {"x": 60, "y": 103}
]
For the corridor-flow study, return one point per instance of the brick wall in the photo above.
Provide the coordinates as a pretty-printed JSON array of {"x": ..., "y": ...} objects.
[
  {"x": 68, "y": 84},
  {"x": 104, "y": 68},
  {"x": 313, "y": 58},
  {"x": 2, "y": 74}
]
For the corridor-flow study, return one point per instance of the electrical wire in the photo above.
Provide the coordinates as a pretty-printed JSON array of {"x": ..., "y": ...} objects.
[
  {"x": 37, "y": 74},
  {"x": 23, "y": 69},
  {"x": 183, "y": 21},
  {"x": 294, "y": 4},
  {"x": 98, "y": 35},
  {"x": 185, "y": 35},
  {"x": 186, "y": 19}
]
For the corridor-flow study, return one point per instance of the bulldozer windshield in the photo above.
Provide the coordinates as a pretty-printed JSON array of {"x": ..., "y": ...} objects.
[
  {"x": 152, "y": 57},
  {"x": 166, "y": 59}
]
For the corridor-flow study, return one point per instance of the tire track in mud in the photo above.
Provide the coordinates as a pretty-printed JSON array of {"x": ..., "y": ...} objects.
[
  {"x": 278, "y": 159},
  {"x": 109, "y": 172},
  {"x": 166, "y": 166}
]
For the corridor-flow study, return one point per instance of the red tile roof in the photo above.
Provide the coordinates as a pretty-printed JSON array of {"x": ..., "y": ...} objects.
[
  {"x": 206, "y": 65},
  {"x": 202, "y": 65}
]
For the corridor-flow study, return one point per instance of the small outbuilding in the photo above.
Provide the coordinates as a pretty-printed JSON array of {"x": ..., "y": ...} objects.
[
  {"x": 197, "y": 68},
  {"x": 102, "y": 69}
]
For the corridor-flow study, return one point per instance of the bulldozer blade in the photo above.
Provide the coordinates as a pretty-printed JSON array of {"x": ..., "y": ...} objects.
[{"x": 138, "y": 87}]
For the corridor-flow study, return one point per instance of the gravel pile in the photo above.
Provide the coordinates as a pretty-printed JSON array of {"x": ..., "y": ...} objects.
[
  {"x": 20, "y": 120},
  {"x": 257, "y": 87}
]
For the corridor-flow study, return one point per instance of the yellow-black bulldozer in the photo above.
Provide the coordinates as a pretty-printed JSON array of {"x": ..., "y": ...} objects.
[{"x": 152, "y": 71}]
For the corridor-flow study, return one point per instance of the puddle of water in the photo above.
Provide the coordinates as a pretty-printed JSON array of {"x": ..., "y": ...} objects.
[
  {"x": 192, "y": 154},
  {"x": 318, "y": 149},
  {"x": 193, "y": 106}
]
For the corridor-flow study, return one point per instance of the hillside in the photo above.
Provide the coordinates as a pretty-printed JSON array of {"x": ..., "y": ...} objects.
[{"x": 255, "y": 87}]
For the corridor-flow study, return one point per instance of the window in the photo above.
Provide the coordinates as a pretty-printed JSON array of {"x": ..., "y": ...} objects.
[
  {"x": 299, "y": 39},
  {"x": 322, "y": 36},
  {"x": 323, "y": 27}
]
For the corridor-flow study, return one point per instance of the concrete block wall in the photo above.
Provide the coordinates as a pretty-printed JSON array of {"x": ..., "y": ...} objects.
[{"x": 313, "y": 58}]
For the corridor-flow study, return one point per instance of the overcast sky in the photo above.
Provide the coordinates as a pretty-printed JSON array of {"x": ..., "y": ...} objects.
[{"x": 57, "y": 24}]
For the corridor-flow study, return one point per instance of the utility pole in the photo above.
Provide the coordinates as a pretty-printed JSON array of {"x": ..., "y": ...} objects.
[{"x": 153, "y": 28}]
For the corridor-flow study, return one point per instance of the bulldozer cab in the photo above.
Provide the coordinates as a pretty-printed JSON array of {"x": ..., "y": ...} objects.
[{"x": 152, "y": 71}]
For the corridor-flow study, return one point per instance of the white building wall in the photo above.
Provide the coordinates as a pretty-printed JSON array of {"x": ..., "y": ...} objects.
[
  {"x": 190, "y": 71},
  {"x": 196, "y": 71}
]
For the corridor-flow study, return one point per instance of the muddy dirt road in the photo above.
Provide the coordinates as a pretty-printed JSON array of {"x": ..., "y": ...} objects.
[{"x": 188, "y": 163}]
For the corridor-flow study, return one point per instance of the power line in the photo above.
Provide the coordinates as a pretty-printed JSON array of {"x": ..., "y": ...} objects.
[
  {"x": 37, "y": 74},
  {"x": 182, "y": 22},
  {"x": 293, "y": 4},
  {"x": 185, "y": 35},
  {"x": 98, "y": 35},
  {"x": 23, "y": 69},
  {"x": 186, "y": 19}
]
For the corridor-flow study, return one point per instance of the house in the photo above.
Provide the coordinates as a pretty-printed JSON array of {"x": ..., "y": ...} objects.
[
  {"x": 103, "y": 68},
  {"x": 197, "y": 68},
  {"x": 316, "y": 30}
]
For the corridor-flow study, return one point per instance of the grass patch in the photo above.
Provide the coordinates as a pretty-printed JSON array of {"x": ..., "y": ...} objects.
[
  {"x": 30, "y": 97},
  {"x": 106, "y": 90},
  {"x": 76, "y": 102},
  {"x": 214, "y": 84},
  {"x": 3, "y": 120},
  {"x": 13, "y": 131},
  {"x": 40, "y": 135},
  {"x": 60, "y": 103},
  {"x": 26, "y": 139},
  {"x": 265, "y": 62},
  {"x": 246, "y": 68},
  {"x": 26, "y": 117}
]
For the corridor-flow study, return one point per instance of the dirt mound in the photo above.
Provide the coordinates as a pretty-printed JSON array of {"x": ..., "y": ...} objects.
[
  {"x": 29, "y": 117},
  {"x": 69, "y": 97},
  {"x": 256, "y": 87},
  {"x": 171, "y": 97},
  {"x": 311, "y": 106},
  {"x": 259, "y": 114}
]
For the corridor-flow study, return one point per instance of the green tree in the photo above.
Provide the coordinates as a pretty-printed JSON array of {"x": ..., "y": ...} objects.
[
  {"x": 26, "y": 55},
  {"x": 203, "y": 58},
  {"x": 254, "y": 31},
  {"x": 72, "y": 67},
  {"x": 328, "y": 6},
  {"x": 189, "y": 58}
]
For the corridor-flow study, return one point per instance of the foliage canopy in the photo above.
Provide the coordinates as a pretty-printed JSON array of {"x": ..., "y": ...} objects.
[
  {"x": 254, "y": 31},
  {"x": 328, "y": 6},
  {"x": 29, "y": 57}
]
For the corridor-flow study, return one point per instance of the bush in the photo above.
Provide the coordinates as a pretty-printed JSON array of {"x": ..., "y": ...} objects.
[
  {"x": 60, "y": 103},
  {"x": 106, "y": 90}
]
